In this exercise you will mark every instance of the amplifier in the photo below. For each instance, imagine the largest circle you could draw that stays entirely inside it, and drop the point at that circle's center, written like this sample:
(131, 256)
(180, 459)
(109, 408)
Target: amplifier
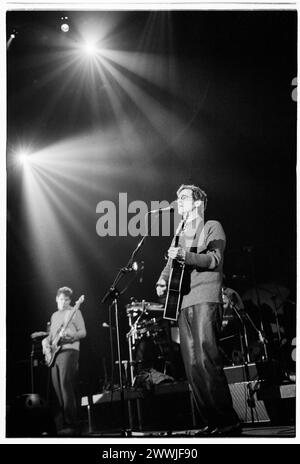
(244, 383)
(260, 393)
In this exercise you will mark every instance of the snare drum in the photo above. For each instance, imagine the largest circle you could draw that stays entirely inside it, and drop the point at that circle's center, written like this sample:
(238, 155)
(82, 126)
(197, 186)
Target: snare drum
(134, 309)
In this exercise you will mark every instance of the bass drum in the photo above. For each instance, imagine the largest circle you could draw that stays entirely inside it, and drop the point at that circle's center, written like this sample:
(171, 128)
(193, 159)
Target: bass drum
(157, 349)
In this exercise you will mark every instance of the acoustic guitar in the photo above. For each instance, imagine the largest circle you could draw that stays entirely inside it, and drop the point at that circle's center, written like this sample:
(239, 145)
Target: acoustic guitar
(173, 298)
(52, 350)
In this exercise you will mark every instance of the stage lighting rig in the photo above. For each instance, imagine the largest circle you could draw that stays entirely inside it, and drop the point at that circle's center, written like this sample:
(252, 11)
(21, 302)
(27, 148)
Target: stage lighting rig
(11, 38)
(64, 26)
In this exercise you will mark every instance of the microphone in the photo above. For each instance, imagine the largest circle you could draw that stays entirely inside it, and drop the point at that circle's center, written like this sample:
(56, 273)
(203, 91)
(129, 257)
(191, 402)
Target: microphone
(161, 210)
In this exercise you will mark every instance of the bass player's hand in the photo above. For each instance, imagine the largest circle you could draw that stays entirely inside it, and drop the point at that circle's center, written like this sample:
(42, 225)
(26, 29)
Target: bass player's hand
(68, 339)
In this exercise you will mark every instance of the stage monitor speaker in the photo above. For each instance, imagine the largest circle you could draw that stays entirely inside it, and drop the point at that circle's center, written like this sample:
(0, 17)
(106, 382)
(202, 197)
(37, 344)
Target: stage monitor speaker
(243, 385)
(245, 402)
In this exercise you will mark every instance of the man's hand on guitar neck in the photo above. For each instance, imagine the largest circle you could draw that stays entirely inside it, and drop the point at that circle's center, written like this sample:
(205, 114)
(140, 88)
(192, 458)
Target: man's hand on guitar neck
(177, 253)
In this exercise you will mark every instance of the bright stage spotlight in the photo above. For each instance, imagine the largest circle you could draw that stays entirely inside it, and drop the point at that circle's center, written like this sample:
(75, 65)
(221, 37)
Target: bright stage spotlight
(89, 48)
(23, 158)
(11, 38)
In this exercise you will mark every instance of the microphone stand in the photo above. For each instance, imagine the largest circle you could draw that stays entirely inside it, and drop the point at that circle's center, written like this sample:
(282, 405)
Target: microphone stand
(242, 316)
(112, 295)
(249, 249)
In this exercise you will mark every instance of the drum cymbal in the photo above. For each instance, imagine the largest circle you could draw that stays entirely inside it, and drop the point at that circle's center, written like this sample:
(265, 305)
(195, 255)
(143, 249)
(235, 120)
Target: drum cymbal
(154, 307)
(144, 306)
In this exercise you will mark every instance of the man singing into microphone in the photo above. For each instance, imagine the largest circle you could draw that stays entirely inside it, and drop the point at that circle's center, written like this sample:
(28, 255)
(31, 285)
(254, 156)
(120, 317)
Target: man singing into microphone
(201, 247)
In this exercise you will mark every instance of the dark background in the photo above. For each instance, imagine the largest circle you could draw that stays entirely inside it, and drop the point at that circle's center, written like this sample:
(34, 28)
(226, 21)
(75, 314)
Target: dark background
(229, 83)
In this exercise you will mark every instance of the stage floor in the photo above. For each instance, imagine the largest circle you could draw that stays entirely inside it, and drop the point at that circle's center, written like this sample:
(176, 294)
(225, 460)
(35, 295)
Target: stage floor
(255, 431)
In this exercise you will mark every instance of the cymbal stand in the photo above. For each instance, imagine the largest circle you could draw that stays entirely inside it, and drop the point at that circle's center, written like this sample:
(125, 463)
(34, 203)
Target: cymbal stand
(260, 334)
(276, 317)
(243, 334)
(244, 315)
(32, 363)
(131, 342)
(131, 338)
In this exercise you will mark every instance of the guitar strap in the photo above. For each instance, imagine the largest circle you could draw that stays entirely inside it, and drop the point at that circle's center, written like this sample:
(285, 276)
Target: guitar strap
(68, 317)
(179, 231)
(66, 320)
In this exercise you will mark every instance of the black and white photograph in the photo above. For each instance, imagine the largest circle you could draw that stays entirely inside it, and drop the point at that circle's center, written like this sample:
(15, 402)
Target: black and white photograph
(151, 185)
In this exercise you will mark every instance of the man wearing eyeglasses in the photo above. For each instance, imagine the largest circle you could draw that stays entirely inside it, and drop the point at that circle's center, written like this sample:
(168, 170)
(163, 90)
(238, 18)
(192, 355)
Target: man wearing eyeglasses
(201, 248)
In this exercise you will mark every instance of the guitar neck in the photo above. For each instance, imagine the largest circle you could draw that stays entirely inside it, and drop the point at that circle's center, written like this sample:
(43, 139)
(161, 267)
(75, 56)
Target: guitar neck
(178, 233)
(66, 324)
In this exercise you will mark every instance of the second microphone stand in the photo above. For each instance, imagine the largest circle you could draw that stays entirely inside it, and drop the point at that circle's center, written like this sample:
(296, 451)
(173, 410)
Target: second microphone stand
(243, 317)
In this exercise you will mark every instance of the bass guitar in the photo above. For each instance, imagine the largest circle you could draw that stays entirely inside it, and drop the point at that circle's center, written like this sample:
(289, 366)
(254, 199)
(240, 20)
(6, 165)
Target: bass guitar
(52, 350)
(173, 297)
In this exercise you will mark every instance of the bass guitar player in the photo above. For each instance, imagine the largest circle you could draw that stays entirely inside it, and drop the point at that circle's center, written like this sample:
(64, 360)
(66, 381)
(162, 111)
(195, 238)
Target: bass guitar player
(61, 350)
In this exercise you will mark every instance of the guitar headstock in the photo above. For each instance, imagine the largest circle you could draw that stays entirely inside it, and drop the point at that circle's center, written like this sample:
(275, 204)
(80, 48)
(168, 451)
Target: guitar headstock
(79, 301)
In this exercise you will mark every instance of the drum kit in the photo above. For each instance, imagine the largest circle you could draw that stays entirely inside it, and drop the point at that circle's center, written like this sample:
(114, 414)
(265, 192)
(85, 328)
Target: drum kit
(150, 337)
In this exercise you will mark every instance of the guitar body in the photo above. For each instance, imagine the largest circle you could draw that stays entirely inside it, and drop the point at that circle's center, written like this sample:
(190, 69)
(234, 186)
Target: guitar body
(51, 354)
(173, 298)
